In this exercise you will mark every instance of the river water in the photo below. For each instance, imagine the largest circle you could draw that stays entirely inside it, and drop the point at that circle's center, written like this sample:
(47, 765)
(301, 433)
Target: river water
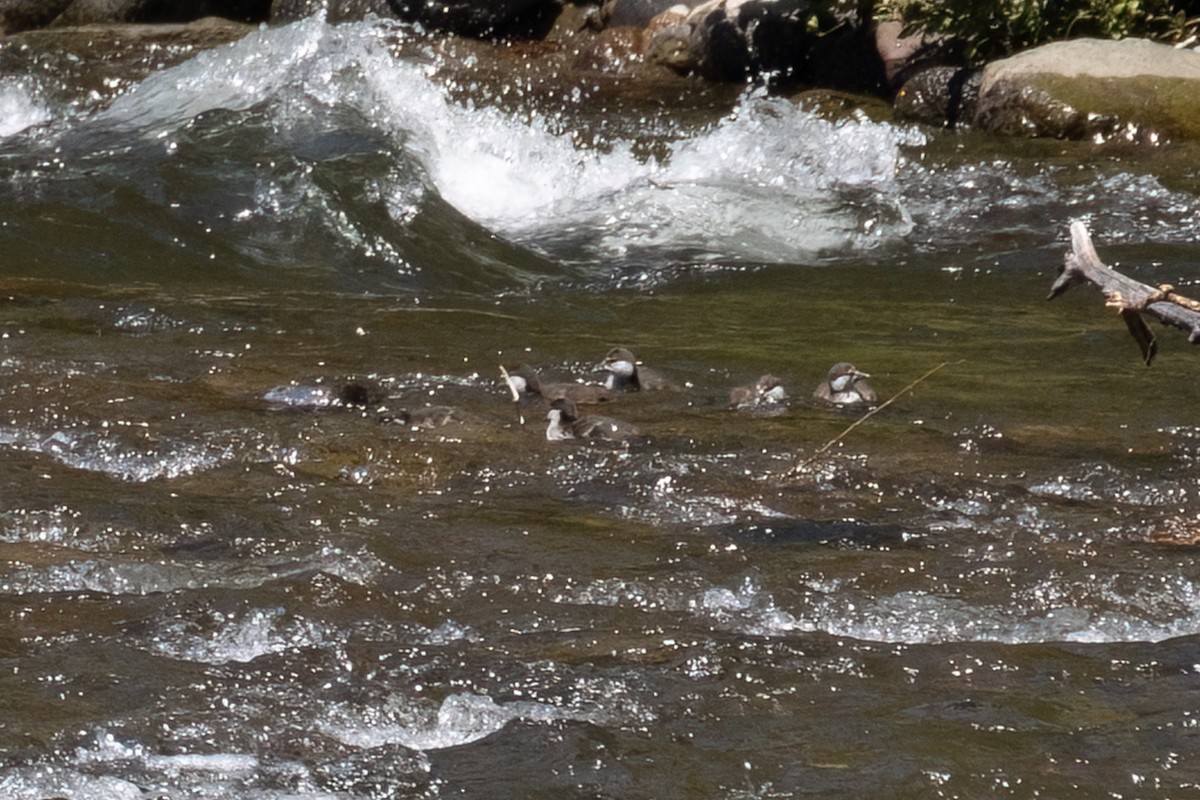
(989, 588)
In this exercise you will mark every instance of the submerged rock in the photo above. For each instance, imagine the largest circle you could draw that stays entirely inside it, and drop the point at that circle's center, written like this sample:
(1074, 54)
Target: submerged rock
(1093, 88)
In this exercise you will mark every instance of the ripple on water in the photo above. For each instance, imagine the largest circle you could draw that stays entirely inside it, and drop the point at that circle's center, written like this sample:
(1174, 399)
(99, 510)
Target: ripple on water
(460, 719)
(220, 638)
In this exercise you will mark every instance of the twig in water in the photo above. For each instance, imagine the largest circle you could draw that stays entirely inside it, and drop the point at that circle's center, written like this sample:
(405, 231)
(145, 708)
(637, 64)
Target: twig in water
(817, 454)
(516, 396)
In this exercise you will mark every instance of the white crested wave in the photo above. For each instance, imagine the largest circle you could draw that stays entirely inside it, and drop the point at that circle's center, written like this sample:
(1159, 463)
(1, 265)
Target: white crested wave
(19, 108)
(773, 181)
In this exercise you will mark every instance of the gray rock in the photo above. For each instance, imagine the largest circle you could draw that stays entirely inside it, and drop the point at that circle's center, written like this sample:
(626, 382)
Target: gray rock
(1093, 88)
(670, 43)
(24, 15)
(637, 13)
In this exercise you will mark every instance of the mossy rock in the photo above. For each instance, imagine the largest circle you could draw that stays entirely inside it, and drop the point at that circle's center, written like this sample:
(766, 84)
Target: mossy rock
(1085, 88)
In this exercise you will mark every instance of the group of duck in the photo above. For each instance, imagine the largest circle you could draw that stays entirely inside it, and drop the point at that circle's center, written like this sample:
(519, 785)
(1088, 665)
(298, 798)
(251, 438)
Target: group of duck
(844, 387)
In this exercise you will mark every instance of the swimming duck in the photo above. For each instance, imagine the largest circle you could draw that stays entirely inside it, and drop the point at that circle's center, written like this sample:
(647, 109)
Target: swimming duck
(567, 423)
(766, 394)
(845, 385)
(626, 373)
(425, 417)
(526, 383)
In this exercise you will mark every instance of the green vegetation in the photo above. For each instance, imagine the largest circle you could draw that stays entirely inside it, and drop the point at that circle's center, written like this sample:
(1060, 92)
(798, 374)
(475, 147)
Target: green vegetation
(989, 29)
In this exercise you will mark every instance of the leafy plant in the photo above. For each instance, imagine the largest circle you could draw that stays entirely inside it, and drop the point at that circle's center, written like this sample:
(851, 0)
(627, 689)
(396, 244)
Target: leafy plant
(987, 29)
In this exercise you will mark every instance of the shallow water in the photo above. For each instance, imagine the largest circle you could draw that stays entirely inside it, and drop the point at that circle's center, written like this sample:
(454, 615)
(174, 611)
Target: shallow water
(985, 588)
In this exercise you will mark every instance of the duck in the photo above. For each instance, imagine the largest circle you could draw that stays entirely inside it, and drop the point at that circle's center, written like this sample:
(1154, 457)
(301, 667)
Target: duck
(767, 394)
(525, 382)
(626, 373)
(567, 423)
(424, 418)
(845, 385)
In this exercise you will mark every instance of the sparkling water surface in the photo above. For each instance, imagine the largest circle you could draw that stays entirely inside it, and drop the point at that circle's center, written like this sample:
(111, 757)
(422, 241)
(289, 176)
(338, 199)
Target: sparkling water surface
(987, 589)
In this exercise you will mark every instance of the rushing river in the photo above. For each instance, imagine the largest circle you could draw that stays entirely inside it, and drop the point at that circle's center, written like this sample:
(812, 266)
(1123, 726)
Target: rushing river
(986, 589)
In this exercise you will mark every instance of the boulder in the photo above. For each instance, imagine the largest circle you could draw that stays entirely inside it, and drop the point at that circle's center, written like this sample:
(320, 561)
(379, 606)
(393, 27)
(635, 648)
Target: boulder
(24, 15)
(637, 13)
(788, 40)
(481, 18)
(670, 40)
(89, 12)
(939, 95)
(1091, 88)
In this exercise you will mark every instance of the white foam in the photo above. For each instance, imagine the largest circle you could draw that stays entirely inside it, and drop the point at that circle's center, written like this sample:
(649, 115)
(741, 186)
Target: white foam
(19, 109)
(917, 618)
(773, 181)
(460, 719)
(259, 633)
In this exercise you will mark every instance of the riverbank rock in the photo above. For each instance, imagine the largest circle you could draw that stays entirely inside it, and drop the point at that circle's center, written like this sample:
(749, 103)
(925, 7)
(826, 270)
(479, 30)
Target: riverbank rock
(24, 15)
(103, 12)
(788, 40)
(1090, 88)
(105, 60)
(946, 96)
(639, 13)
(485, 18)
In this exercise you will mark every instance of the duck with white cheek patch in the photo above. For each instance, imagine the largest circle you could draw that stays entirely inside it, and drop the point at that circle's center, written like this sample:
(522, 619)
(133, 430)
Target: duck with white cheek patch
(845, 385)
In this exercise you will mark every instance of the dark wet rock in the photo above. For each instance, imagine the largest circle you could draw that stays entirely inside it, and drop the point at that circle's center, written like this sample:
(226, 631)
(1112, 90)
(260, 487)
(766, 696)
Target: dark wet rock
(24, 15)
(90, 12)
(1093, 88)
(284, 11)
(794, 40)
(940, 96)
(485, 18)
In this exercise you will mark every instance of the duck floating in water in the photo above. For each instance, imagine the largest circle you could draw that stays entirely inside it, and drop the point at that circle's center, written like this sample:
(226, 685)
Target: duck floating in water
(423, 418)
(626, 373)
(766, 395)
(529, 388)
(567, 423)
(845, 385)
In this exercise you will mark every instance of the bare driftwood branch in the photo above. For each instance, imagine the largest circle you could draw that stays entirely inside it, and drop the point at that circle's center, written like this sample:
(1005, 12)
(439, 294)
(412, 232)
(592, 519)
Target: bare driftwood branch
(1131, 298)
